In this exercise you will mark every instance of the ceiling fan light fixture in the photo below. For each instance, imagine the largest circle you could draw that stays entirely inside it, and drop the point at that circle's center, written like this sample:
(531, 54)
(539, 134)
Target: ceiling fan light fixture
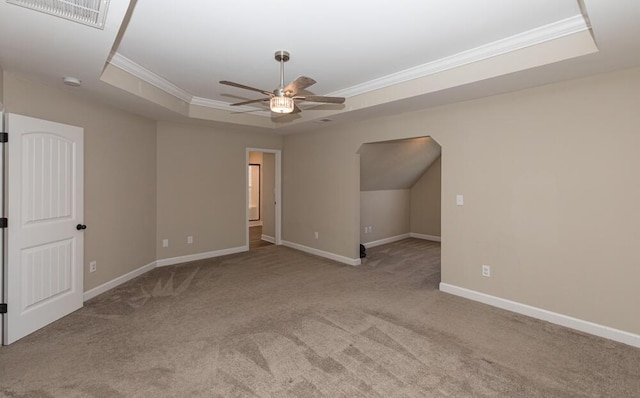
(281, 104)
(281, 100)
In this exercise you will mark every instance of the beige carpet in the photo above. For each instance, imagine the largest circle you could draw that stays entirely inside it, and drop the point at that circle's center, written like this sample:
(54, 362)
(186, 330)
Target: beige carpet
(275, 322)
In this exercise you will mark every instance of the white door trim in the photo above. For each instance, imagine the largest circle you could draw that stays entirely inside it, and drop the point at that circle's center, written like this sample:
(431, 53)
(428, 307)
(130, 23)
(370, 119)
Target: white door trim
(278, 192)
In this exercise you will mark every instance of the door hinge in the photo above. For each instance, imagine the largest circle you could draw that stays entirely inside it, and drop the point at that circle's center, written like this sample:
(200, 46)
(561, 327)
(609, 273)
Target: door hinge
(3, 308)
(4, 222)
(4, 137)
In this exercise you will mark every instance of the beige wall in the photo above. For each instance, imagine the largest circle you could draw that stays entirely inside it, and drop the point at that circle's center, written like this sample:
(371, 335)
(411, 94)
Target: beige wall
(321, 191)
(120, 174)
(425, 201)
(550, 184)
(269, 195)
(202, 186)
(387, 212)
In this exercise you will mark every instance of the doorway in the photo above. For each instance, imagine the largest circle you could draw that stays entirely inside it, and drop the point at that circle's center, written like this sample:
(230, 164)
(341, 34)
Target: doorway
(400, 204)
(263, 197)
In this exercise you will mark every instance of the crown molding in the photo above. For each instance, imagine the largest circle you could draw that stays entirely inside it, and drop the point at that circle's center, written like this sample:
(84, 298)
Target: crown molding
(209, 103)
(529, 38)
(127, 65)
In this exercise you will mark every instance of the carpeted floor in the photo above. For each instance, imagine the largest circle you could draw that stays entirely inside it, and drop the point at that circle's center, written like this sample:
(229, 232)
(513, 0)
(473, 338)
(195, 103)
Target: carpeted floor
(276, 322)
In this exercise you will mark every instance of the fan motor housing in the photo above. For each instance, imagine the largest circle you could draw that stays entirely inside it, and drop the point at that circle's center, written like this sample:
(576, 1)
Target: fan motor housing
(282, 56)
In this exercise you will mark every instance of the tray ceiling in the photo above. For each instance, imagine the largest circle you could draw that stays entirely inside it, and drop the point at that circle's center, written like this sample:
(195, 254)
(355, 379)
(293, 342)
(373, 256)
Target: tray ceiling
(165, 58)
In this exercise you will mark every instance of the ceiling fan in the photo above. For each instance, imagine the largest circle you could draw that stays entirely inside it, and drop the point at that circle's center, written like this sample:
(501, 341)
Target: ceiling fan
(282, 99)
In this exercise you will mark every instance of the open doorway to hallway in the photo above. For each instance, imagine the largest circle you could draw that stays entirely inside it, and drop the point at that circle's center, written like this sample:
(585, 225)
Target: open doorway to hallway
(263, 190)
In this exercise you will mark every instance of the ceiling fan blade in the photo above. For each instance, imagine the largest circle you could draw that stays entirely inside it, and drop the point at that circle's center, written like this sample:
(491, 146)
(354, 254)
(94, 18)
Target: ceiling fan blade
(238, 85)
(250, 101)
(300, 83)
(320, 98)
(296, 109)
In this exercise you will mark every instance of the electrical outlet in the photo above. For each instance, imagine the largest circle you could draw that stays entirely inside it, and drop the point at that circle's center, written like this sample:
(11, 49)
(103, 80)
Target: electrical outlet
(189, 239)
(370, 229)
(315, 234)
(486, 270)
(165, 242)
(93, 265)
(460, 200)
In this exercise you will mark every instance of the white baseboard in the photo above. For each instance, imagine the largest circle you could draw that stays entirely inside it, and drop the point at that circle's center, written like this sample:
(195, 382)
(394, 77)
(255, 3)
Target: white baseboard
(200, 256)
(322, 253)
(384, 241)
(425, 237)
(159, 263)
(539, 313)
(268, 238)
(117, 281)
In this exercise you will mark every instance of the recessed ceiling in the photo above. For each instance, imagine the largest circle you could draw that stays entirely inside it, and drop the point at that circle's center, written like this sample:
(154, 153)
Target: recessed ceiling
(164, 58)
(340, 44)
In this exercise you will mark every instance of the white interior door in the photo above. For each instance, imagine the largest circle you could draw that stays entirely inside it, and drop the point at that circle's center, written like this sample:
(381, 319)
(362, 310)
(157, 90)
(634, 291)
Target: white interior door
(44, 272)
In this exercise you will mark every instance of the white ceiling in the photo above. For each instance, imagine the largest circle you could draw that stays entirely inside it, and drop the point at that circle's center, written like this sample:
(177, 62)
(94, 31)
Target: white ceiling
(384, 57)
(338, 43)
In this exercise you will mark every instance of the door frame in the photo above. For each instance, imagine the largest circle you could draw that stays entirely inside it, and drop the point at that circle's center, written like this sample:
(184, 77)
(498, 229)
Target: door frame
(277, 191)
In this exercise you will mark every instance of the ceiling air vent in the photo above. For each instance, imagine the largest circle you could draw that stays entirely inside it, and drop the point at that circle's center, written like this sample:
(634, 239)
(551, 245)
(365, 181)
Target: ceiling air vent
(88, 12)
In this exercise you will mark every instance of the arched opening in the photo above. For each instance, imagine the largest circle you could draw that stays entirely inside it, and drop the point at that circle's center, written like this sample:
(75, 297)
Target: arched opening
(400, 206)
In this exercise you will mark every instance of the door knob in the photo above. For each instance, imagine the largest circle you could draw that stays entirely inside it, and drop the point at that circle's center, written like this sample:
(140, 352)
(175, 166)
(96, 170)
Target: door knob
(80, 227)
